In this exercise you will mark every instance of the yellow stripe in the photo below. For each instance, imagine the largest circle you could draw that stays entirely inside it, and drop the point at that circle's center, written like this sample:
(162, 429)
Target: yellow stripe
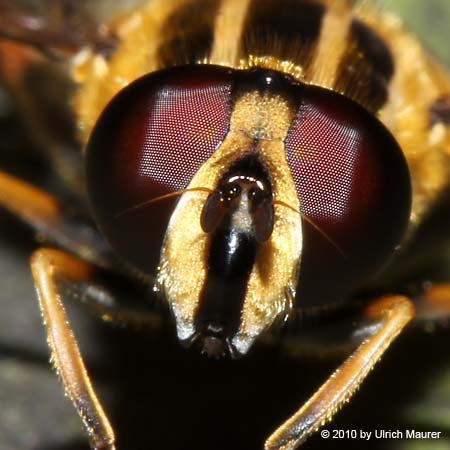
(228, 30)
(331, 46)
(140, 34)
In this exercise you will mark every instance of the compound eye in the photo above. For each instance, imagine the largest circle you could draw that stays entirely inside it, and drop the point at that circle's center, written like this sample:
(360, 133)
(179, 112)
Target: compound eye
(352, 181)
(150, 141)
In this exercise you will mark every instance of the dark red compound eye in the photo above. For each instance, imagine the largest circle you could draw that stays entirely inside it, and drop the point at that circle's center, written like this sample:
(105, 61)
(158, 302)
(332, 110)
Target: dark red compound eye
(150, 141)
(353, 183)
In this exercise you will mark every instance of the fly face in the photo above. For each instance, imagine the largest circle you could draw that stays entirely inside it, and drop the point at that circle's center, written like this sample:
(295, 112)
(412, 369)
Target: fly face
(241, 147)
(253, 159)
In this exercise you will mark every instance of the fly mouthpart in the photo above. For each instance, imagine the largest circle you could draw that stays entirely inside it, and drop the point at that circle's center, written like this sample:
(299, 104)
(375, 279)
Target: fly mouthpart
(212, 342)
(214, 347)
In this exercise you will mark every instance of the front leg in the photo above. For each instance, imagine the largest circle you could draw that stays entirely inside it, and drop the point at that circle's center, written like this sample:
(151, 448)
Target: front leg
(59, 276)
(47, 265)
(386, 317)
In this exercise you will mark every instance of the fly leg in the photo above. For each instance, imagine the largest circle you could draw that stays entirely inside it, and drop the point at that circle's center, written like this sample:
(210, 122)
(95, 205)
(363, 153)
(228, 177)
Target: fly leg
(51, 221)
(385, 317)
(59, 276)
(47, 265)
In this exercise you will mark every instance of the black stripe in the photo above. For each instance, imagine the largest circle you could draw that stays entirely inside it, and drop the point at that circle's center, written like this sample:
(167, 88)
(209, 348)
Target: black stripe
(231, 257)
(366, 68)
(287, 29)
(189, 33)
(225, 286)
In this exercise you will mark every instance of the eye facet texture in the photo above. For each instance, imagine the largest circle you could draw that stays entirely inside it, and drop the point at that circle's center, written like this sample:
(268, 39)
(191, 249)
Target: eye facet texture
(353, 183)
(150, 141)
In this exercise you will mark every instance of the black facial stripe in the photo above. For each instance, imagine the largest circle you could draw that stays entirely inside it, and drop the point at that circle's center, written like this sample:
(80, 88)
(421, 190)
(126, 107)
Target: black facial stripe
(370, 74)
(189, 33)
(231, 258)
(287, 30)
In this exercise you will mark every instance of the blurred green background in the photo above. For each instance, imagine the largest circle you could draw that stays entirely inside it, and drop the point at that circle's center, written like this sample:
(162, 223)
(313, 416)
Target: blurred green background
(429, 19)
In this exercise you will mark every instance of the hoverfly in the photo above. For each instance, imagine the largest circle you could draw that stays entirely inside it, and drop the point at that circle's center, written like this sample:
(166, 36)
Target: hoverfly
(238, 161)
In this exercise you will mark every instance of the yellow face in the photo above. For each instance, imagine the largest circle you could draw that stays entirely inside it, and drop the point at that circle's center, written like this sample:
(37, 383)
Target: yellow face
(271, 283)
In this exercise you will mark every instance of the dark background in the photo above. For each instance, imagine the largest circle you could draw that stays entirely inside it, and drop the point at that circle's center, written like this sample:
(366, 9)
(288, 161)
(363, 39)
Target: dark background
(163, 397)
